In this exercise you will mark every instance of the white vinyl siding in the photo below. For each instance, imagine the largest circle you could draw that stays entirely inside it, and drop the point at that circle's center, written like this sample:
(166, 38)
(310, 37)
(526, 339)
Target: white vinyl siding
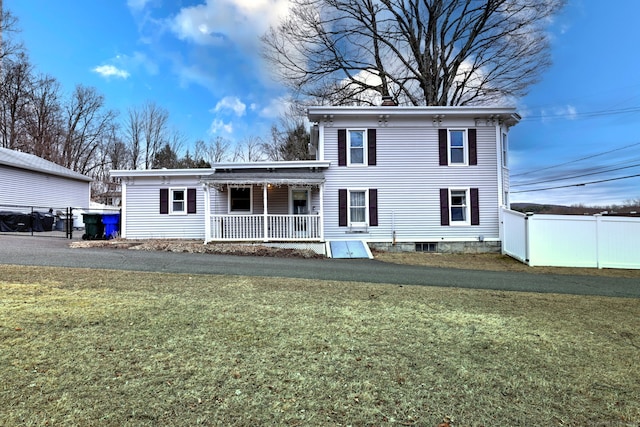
(408, 178)
(21, 187)
(142, 214)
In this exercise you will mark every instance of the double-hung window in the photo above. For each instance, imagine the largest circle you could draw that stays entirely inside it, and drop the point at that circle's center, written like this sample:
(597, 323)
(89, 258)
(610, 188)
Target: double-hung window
(458, 154)
(240, 200)
(459, 207)
(178, 200)
(357, 147)
(358, 207)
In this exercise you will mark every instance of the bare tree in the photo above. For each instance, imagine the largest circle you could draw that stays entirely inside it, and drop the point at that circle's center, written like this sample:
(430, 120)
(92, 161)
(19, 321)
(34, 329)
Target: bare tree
(9, 46)
(88, 124)
(214, 151)
(420, 52)
(155, 121)
(289, 139)
(133, 134)
(43, 123)
(14, 100)
(248, 150)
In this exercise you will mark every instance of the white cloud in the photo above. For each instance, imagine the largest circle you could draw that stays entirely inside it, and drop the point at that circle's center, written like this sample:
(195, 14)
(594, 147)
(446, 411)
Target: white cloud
(238, 21)
(275, 108)
(137, 5)
(111, 71)
(218, 125)
(231, 103)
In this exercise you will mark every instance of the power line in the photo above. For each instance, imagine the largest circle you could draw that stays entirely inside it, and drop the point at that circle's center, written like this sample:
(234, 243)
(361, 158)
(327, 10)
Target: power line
(574, 176)
(585, 114)
(575, 161)
(576, 185)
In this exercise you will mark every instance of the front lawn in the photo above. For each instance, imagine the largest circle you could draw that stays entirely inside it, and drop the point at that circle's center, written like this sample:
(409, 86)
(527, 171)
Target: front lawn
(113, 348)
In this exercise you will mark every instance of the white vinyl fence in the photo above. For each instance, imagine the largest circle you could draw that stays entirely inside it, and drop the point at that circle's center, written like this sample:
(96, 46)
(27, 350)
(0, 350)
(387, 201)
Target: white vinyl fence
(572, 241)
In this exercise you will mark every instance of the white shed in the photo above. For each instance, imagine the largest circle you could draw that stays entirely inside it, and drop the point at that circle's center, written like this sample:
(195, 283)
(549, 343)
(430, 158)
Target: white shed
(28, 180)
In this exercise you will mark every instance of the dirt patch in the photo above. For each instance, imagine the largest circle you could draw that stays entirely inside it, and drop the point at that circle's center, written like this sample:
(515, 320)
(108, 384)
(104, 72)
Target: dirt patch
(197, 247)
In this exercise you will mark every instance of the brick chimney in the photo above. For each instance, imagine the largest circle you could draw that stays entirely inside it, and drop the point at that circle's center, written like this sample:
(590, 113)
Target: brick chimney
(387, 101)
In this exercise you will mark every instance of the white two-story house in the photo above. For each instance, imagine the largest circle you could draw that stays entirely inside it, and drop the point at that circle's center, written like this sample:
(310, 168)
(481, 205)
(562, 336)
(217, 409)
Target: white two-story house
(409, 178)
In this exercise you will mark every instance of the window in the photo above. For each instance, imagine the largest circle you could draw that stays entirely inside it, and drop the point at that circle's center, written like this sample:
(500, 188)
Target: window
(457, 147)
(505, 149)
(357, 147)
(356, 144)
(178, 200)
(357, 207)
(458, 206)
(240, 199)
(427, 247)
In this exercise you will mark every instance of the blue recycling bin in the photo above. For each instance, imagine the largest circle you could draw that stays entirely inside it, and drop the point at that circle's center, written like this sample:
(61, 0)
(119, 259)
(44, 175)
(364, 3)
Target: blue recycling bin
(111, 225)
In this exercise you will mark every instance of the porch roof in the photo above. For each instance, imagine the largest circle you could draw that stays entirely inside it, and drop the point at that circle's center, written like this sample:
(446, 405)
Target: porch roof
(275, 178)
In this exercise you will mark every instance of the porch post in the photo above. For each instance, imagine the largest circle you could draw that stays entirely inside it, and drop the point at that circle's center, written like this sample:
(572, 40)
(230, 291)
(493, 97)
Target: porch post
(207, 213)
(265, 213)
(321, 212)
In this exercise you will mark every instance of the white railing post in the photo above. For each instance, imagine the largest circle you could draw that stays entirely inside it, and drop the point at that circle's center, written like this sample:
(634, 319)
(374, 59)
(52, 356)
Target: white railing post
(265, 213)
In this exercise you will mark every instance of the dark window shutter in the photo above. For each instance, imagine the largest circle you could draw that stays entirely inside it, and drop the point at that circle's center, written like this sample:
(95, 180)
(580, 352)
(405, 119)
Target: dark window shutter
(342, 147)
(373, 207)
(475, 207)
(473, 147)
(444, 206)
(191, 200)
(164, 201)
(371, 147)
(442, 147)
(342, 208)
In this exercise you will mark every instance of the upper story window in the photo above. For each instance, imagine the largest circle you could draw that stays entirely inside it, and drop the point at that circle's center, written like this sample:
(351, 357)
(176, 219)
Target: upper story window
(356, 147)
(240, 199)
(178, 200)
(505, 150)
(457, 147)
(356, 143)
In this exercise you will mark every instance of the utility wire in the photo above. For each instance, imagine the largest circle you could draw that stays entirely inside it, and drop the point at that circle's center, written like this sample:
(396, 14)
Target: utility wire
(573, 176)
(586, 114)
(575, 161)
(576, 185)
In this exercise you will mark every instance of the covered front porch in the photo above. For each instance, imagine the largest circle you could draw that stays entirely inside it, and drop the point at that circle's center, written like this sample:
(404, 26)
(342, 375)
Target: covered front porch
(268, 205)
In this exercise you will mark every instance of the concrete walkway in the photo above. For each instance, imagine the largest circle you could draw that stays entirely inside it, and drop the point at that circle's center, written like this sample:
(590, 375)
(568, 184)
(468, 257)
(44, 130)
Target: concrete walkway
(48, 251)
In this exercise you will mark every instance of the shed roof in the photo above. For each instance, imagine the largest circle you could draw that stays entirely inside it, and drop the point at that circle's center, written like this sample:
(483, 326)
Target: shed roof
(20, 160)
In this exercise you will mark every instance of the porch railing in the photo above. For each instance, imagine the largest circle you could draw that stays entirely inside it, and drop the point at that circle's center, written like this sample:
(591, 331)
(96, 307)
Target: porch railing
(251, 228)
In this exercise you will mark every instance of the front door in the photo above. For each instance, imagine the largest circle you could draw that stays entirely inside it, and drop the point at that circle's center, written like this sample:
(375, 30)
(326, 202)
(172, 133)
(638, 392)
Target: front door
(300, 202)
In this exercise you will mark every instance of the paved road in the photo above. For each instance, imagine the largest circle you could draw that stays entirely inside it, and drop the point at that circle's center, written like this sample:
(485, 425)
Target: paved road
(47, 251)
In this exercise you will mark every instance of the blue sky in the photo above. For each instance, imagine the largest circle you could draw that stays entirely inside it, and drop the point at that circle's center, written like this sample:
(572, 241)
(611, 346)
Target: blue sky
(200, 60)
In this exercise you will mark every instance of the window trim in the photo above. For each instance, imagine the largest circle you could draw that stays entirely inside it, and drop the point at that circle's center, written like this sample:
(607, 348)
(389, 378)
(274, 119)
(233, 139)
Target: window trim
(172, 191)
(365, 149)
(235, 212)
(465, 146)
(351, 223)
(467, 207)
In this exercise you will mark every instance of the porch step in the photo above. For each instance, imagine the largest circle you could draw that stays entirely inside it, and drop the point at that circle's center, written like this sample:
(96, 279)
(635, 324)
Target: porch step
(348, 249)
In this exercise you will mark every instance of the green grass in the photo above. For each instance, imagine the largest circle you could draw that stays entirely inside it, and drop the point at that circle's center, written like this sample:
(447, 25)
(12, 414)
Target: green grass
(107, 348)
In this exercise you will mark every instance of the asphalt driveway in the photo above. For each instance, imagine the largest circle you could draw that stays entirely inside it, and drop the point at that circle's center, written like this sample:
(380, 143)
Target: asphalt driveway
(55, 252)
